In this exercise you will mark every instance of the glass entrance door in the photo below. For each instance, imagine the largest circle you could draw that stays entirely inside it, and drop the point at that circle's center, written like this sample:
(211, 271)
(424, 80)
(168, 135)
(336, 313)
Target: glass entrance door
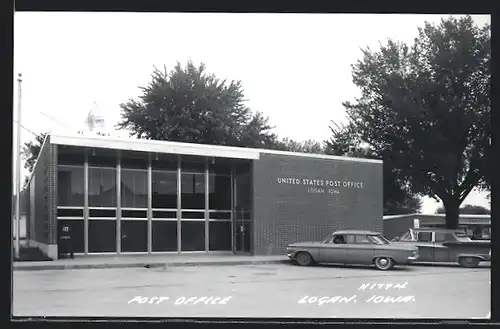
(242, 213)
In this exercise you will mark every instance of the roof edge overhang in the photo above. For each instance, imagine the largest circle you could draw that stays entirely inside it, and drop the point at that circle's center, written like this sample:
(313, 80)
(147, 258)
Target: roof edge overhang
(154, 146)
(160, 147)
(320, 156)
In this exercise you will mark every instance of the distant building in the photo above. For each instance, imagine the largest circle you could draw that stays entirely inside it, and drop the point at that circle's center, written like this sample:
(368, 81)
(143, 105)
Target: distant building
(476, 226)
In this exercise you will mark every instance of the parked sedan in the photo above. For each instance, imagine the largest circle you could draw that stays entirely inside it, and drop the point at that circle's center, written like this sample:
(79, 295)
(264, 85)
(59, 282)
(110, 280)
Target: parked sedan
(353, 247)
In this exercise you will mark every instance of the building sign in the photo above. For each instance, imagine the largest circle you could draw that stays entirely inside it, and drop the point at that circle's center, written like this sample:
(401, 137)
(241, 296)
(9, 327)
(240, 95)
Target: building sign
(416, 223)
(320, 186)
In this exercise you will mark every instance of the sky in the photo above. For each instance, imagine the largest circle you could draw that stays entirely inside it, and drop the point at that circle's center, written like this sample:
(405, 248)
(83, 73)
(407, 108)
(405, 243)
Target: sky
(289, 64)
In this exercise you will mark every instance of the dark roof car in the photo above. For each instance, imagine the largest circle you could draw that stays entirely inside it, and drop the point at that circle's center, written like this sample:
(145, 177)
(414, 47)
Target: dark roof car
(446, 245)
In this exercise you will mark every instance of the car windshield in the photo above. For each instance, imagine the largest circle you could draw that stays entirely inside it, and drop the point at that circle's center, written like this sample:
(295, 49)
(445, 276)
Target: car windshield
(462, 237)
(378, 239)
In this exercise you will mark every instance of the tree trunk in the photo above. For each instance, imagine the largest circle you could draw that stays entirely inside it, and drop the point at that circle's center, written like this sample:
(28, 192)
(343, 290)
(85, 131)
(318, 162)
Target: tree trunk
(452, 208)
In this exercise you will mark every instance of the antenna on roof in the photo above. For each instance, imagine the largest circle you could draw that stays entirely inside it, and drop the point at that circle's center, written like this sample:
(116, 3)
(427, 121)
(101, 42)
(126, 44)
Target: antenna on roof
(94, 120)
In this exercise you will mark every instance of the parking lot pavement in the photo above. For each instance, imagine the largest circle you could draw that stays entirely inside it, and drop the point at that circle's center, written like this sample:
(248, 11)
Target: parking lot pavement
(278, 290)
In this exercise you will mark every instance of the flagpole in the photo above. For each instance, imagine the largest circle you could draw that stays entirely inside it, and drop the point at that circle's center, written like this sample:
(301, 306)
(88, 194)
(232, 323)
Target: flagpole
(19, 167)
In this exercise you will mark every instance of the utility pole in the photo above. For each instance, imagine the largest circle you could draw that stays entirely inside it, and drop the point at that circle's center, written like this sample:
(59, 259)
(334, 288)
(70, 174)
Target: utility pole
(19, 167)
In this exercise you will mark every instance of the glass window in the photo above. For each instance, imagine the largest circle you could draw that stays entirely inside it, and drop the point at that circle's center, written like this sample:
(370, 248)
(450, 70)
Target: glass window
(70, 186)
(102, 236)
(135, 160)
(165, 162)
(219, 192)
(443, 237)
(219, 168)
(193, 235)
(378, 239)
(193, 191)
(193, 164)
(220, 235)
(406, 237)
(349, 238)
(134, 235)
(339, 239)
(134, 188)
(424, 236)
(164, 190)
(362, 239)
(102, 187)
(164, 235)
(243, 192)
(103, 158)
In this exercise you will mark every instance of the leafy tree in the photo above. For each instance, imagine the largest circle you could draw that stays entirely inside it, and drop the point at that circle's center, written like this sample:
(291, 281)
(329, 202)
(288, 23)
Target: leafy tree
(469, 210)
(398, 198)
(307, 146)
(426, 108)
(30, 153)
(189, 105)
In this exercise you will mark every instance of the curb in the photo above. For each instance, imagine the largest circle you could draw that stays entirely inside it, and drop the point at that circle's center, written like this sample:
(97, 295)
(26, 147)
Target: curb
(48, 267)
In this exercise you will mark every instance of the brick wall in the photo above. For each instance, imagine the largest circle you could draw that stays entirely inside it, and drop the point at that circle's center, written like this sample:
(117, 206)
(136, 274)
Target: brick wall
(45, 196)
(287, 212)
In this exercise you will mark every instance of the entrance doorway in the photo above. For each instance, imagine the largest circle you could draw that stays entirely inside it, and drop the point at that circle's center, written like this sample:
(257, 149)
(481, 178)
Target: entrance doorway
(242, 213)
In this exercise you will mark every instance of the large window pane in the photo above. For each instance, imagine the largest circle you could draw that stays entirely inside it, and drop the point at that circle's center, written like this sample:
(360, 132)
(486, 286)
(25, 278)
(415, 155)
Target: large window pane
(102, 236)
(193, 191)
(70, 186)
(164, 235)
(164, 189)
(102, 187)
(135, 160)
(134, 235)
(193, 235)
(242, 199)
(220, 235)
(134, 188)
(220, 192)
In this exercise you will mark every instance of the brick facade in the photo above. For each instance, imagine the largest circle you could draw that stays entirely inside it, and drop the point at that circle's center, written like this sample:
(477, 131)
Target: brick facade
(287, 212)
(43, 218)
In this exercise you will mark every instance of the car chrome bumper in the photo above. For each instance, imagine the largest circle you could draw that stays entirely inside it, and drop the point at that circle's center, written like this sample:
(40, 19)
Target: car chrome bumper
(289, 255)
(413, 258)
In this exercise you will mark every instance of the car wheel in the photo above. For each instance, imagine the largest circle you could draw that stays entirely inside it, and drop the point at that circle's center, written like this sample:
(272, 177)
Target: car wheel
(303, 258)
(383, 263)
(468, 262)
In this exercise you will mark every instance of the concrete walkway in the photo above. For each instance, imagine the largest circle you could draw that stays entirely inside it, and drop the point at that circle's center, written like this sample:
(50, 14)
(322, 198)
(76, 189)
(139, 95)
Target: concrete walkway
(127, 261)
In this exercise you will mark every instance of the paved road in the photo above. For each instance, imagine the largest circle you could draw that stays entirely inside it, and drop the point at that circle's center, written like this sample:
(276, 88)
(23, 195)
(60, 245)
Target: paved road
(255, 291)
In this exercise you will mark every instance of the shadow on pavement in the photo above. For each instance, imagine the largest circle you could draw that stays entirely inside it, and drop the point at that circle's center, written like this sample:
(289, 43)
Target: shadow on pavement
(400, 268)
(366, 267)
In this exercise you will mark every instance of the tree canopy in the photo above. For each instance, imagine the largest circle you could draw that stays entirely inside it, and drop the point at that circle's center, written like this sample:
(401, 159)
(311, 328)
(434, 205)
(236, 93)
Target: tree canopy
(398, 198)
(30, 153)
(469, 210)
(189, 105)
(291, 145)
(425, 109)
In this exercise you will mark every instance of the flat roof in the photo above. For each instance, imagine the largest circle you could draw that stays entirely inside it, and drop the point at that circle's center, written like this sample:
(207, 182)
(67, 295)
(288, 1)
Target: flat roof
(430, 216)
(434, 229)
(155, 146)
